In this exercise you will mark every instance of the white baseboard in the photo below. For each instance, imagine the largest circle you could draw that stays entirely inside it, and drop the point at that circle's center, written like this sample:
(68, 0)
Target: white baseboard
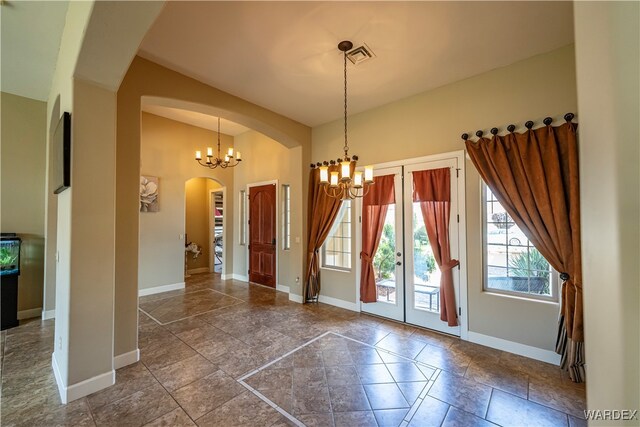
(48, 314)
(295, 298)
(226, 276)
(339, 303)
(83, 388)
(515, 347)
(239, 277)
(160, 289)
(30, 314)
(125, 359)
(198, 270)
(62, 388)
(282, 288)
(91, 385)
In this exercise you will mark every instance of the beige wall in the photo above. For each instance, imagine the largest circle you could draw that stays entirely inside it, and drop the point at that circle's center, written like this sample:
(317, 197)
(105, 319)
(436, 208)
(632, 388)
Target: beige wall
(84, 219)
(264, 159)
(149, 80)
(431, 123)
(58, 208)
(167, 151)
(607, 55)
(23, 182)
(93, 229)
(197, 200)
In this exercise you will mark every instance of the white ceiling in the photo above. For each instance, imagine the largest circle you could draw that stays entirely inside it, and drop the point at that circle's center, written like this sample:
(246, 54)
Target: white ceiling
(196, 119)
(31, 33)
(283, 55)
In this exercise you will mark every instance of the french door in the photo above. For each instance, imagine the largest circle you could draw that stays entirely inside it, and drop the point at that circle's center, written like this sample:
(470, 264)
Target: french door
(407, 275)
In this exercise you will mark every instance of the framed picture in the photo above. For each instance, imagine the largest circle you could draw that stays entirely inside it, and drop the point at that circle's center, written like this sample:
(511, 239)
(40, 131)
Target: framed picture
(149, 194)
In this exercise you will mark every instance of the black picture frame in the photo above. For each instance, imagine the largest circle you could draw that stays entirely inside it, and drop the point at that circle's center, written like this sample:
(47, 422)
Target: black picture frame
(61, 152)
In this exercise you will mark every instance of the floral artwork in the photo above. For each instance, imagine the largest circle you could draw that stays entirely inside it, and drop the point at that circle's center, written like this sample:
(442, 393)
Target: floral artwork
(149, 194)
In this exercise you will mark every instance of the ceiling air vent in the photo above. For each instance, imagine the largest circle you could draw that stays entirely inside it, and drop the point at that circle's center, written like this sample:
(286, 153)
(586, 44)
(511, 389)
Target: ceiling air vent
(360, 54)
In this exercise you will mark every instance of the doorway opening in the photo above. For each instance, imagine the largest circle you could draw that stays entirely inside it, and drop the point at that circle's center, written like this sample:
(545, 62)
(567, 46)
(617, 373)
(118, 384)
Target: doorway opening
(407, 276)
(204, 226)
(216, 229)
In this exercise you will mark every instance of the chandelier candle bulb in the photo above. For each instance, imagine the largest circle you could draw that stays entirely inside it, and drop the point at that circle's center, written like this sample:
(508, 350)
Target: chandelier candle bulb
(334, 179)
(368, 174)
(345, 171)
(226, 159)
(209, 152)
(230, 152)
(324, 174)
(357, 180)
(198, 155)
(238, 156)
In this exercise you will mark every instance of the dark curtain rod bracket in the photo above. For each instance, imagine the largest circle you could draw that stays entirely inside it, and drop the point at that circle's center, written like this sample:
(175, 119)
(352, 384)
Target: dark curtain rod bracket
(528, 124)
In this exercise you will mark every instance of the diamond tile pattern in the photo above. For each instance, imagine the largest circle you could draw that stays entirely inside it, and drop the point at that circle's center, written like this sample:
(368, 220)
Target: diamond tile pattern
(226, 353)
(345, 378)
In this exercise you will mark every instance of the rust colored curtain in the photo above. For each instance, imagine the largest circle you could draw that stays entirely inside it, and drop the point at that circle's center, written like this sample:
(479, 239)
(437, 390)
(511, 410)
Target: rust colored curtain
(432, 189)
(534, 175)
(374, 213)
(323, 211)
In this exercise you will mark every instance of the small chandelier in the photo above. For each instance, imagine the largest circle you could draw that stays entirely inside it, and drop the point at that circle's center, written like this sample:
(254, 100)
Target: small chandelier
(228, 162)
(343, 185)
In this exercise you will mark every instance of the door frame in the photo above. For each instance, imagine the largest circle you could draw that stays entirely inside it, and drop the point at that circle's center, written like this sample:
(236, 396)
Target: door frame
(460, 155)
(212, 222)
(278, 233)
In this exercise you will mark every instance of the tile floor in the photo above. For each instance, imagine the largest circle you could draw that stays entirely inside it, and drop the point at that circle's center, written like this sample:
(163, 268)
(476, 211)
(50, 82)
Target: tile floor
(232, 354)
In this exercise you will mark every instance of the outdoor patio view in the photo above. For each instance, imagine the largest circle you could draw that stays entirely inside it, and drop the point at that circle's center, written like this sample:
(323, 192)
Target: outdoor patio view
(426, 277)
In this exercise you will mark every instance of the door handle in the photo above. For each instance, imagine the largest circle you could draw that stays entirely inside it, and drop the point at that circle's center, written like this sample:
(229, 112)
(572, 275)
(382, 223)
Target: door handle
(399, 254)
(273, 242)
(398, 263)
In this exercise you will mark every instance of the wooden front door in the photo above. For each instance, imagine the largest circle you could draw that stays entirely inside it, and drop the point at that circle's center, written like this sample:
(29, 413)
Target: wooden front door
(262, 235)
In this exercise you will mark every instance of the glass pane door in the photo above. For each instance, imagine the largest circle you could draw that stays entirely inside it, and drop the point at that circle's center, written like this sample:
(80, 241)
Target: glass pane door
(387, 261)
(422, 281)
(426, 274)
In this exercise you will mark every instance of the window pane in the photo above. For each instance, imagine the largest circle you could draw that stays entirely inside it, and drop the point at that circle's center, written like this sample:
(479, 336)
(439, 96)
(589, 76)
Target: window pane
(286, 216)
(337, 248)
(512, 263)
(496, 234)
(497, 255)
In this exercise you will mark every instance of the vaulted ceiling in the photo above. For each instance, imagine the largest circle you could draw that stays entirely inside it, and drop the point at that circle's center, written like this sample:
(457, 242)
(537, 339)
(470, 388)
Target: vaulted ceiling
(283, 55)
(31, 33)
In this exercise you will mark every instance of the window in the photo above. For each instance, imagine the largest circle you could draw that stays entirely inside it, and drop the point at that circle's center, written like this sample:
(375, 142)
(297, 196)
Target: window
(286, 216)
(242, 205)
(512, 264)
(336, 251)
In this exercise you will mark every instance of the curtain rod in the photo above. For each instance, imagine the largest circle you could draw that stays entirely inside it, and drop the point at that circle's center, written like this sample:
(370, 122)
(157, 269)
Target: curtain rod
(494, 131)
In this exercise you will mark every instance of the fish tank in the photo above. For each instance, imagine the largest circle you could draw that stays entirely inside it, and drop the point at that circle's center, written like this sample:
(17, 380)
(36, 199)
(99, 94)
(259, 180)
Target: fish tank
(9, 255)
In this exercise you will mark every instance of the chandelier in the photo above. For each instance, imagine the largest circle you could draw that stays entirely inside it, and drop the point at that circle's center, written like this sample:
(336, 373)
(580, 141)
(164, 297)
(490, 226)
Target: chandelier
(344, 182)
(229, 160)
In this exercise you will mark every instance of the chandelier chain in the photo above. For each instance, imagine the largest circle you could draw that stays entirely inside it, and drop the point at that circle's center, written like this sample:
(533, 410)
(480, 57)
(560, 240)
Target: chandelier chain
(346, 142)
(218, 137)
